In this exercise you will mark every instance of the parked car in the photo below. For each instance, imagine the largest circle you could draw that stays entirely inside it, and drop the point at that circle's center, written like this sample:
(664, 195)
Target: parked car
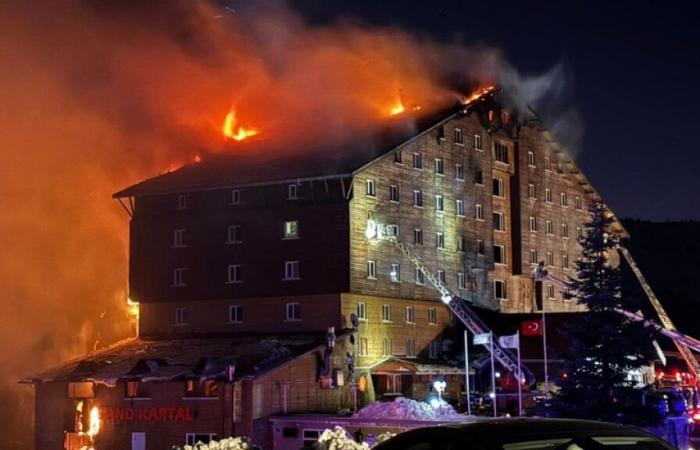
(526, 434)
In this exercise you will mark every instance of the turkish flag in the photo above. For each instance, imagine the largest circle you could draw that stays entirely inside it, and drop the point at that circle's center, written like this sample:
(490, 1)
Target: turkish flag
(531, 327)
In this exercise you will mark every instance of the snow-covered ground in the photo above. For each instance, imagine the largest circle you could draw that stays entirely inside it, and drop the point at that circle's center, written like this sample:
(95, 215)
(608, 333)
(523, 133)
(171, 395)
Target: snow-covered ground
(406, 409)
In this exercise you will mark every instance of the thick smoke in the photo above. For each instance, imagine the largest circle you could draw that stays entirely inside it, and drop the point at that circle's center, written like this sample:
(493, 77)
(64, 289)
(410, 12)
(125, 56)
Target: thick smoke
(95, 95)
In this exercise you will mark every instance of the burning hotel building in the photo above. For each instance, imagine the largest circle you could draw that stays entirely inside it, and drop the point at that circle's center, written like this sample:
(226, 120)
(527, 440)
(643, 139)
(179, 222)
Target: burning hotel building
(262, 292)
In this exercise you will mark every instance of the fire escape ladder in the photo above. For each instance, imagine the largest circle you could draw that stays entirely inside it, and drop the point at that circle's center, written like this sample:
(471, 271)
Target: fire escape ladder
(460, 309)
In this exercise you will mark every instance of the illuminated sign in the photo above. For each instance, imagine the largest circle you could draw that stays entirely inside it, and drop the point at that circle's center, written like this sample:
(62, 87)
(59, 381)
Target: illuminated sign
(163, 414)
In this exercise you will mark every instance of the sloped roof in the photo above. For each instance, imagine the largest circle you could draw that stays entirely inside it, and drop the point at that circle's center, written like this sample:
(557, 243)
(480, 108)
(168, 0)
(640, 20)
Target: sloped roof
(173, 359)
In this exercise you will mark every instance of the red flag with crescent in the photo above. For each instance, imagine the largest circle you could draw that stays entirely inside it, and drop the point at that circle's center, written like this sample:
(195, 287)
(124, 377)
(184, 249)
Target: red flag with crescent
(531, 327)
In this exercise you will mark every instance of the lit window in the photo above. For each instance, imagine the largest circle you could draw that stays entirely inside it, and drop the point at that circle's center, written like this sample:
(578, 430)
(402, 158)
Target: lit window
(564, 200)
(201, 389)
(459, 136)
(179, 277)
(291, 229)
(180, 316)
(531, 159)
(548, 195)
(547, 164)
(440, 240)
(564, 230)
(136, 389)
(419, 277)
(398, 157)
(533, 224)
(500, 152)
(236, 197)
(371, 270)
(393, 193)
(386, 313)
(410, 315)
(531, 191)
(183, 201)
(179, 238)
(364, 347)
(460, 280)
(499, 223)
(499, 254)
(550, 227)
(499, 289)
(292, 192)
(418, 236)
(81, 389)
(439, 203)
(480, 247)
(291, 270)
(395, 273)
(233, 234)
(477, 142)
(498, 189)
(417, 161)
(417, 198)
(293, 311)
(439, 167)
(235, 314)
(371, 192)
(579, 203)
(459, 171)
(479, 211)
(432, 316)
(362, 310)
(459, 206)
(192, 438)
(235, 274)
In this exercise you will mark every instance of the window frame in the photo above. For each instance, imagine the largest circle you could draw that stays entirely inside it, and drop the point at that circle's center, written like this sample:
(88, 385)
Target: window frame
(289, 266)
(371, 269)
(295, 309)
(238, 319)
(178, 279)
(237, 271)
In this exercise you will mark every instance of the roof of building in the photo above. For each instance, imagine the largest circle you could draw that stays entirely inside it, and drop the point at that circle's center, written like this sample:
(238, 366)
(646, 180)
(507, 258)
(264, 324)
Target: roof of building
(418, 366)
(179, 359)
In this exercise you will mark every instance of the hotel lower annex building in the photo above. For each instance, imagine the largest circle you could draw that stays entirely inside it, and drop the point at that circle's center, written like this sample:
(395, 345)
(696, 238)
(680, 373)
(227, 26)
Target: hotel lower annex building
(242, 265)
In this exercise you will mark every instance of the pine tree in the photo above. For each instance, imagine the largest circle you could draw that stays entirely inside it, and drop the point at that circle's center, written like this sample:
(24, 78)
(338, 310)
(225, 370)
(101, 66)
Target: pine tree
(604, 345)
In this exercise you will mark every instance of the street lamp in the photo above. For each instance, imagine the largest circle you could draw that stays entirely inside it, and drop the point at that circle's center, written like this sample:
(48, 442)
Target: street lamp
(439, 386)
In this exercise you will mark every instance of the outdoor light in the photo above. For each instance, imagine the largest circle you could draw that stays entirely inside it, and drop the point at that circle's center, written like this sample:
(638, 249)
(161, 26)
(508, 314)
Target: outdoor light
(439, 386)
(492, 395)
(498, 374)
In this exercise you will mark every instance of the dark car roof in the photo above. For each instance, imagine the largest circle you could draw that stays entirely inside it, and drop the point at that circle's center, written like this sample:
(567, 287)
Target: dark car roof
(525, 426)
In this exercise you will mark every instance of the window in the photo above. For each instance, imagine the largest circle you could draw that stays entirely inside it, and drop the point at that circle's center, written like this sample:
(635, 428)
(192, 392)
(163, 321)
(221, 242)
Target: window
(386, 313)
(201, 389)
(293, 311)
(236, 197)
(235, 274)
(183, 201)
(417, 236)
(498, 189)
(533, 257)
(362, 310)
(533, 224)
(417, 198)
(310, 437)
(393, 193)
(564, 230)
(392, 230)
(531, 159)
(565, 261)
(386, 347)
(291, 270)
(459, 136)
(432, 316)
(179, 238)
(180, 316)
(363, 347)
(479, 177)
(419, 277)
(550, 228)
(460, 244)
(439, 167)
(395, 273)
(477, 142)
(531, 191)
(233, 234)
(179, 277)
(410, 314)
(439, 203)
(550, 259)
(500, 152)
(563, 199)
(440, 240)
(550, 291)
(459, 171)
(579, 203)
(433, 349)
(371, 270)
(460, 280)
(136, 389)
(548, 195)
(371, 192)
(292, 192)
(479, 211)
(417, 161)
(204, 438)
(81, 389)
(410, 348)
(398, 157)
(441, 276)
(499, 254)
(547, 164)
(499, 289)
(480, 247)
(579, 233)
(459, 206)
(498, 221)
(235, 314)
(291, 229)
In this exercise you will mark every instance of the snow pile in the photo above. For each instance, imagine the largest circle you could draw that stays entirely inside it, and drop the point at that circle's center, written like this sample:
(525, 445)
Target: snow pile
(338, 439)
(406, 409)
(237, 443)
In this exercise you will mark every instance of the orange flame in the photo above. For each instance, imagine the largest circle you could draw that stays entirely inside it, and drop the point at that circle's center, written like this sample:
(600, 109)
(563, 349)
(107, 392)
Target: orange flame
(233, 130)
(477, 94)
(94, 422)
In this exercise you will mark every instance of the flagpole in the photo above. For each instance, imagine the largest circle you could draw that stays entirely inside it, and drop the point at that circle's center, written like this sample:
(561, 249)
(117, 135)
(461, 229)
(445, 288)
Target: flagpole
(493, 375)
(466, 371)
(520, 377)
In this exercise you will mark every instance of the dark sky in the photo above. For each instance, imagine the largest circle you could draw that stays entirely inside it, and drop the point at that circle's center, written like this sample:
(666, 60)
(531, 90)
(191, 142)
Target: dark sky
(634, 70)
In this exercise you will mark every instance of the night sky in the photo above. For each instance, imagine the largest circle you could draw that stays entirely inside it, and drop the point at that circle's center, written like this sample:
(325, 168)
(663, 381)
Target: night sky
(632, 69)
